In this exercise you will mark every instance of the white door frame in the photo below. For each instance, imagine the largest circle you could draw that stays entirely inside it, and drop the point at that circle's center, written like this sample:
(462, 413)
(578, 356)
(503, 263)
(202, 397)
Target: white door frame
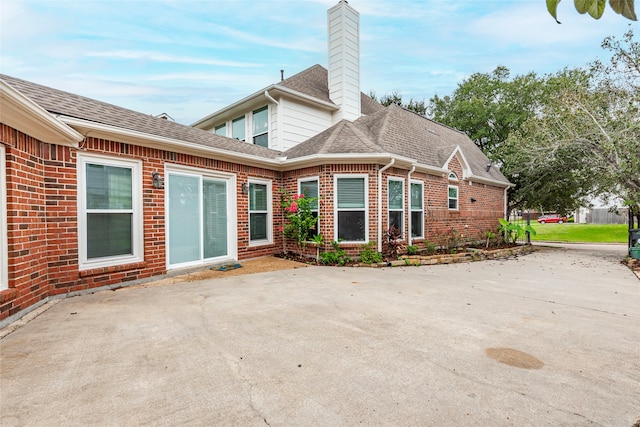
(232, 209)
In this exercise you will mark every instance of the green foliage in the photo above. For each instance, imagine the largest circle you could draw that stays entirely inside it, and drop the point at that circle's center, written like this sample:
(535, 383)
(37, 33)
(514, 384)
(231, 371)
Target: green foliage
(596, 8)
(585, 138)
(412, 250)
(369, 255)
(318, 241)
(337, 256)
(491, 237)
(511, 232)
(301, 221)
(429, 248)
(450, 240)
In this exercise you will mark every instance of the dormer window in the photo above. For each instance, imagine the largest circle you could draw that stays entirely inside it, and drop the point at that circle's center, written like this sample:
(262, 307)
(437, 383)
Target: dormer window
(261, 126)
(453, 176)
(238, 130)
(221, 130)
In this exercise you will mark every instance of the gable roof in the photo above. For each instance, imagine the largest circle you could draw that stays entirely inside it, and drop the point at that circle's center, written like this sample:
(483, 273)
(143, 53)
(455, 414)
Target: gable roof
(79, 111)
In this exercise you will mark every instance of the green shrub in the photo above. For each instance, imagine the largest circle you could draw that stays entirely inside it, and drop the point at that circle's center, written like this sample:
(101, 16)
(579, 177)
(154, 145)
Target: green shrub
(337, 256)
(369, 255)
(429, 248)
(412, 250)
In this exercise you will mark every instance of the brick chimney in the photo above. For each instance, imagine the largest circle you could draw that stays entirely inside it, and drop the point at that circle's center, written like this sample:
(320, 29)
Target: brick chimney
(344, 60)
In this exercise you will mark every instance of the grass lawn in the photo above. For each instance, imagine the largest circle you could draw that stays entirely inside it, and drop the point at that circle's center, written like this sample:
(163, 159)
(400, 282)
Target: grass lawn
(581, 233)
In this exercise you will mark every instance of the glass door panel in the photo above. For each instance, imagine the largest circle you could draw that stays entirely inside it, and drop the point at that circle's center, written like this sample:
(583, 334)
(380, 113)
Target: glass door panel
(214, 194)
(184, 218)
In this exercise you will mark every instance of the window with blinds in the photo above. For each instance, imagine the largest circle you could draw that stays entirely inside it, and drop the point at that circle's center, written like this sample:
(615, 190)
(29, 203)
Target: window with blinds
(351, 209)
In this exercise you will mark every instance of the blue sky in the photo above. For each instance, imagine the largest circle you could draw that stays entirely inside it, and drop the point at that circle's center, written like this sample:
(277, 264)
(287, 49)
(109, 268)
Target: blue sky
(191, 58)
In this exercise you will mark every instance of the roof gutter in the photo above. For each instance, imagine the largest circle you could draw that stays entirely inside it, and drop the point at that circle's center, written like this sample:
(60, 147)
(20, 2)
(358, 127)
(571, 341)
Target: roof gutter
(380, 202)
(21, 113)
(154, 141)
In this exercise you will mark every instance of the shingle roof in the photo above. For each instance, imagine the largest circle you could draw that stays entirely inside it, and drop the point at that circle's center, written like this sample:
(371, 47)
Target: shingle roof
(63, 103)
(314, 81)
(385, 130)
(398, 131)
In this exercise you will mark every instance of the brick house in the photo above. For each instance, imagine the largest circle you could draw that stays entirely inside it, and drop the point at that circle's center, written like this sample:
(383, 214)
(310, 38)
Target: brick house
(95, 196)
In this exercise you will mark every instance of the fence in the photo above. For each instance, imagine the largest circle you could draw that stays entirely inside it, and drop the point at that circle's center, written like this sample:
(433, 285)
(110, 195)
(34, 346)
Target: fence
(522, 221)
(604, 216)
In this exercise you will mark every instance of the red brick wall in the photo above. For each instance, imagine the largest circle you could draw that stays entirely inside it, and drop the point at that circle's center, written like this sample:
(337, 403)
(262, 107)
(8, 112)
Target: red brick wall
(42, 229)
(42, 225)
(471, 220)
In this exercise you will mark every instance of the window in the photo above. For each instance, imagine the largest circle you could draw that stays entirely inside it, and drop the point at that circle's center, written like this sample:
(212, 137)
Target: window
(453, 176)
(4, 270)
(110, 209)
(309, 187)
(417, 210)
(396, 204)
(351, 208)
(221, 130)
(453, 197)
(238, 129)
(261, 127)
(259, 212)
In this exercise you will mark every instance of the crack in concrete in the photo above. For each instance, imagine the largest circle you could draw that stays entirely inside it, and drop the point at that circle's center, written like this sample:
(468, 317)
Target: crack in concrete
(560, 303)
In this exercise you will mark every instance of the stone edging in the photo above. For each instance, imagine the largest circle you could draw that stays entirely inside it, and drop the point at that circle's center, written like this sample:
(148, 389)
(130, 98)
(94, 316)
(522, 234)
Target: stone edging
(467, 256)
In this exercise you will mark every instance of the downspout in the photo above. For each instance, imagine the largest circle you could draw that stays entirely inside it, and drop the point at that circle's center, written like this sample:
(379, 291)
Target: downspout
(278, 118)
(504, 213)
(413, 169)
(380, 202)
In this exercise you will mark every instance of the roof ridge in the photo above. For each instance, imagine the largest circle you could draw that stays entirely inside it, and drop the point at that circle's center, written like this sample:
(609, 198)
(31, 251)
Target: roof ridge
(333, 135)
(364, 138)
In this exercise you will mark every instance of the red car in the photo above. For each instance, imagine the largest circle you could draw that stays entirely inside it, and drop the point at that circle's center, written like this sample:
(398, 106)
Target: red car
(552, 218)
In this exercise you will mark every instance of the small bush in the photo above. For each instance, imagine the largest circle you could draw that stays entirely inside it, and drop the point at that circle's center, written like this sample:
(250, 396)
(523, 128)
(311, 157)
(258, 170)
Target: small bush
(429, 248)
(412, 250)
(337, 256)
(369, 255)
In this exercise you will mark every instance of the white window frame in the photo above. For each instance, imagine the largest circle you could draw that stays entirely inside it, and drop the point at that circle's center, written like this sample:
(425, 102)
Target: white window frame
(389, 210)
(317, 211)
(269, 213)
(453, 176)
(421, 210)
(4, 246)
(457, 198)
(245, 121)
(268, 131)
(366, 206)
(137, 229)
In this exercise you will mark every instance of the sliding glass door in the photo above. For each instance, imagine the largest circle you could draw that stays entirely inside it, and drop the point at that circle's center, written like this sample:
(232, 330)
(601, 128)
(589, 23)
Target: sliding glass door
(198, 213)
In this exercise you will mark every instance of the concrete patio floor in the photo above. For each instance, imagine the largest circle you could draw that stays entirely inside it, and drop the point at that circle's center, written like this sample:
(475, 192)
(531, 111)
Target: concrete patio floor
(550, 338)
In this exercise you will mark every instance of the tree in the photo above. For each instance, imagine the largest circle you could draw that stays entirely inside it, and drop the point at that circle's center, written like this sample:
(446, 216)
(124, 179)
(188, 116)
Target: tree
(596, 8)
(594, 127)
(487, 107)
(491, 108)
(396, 98)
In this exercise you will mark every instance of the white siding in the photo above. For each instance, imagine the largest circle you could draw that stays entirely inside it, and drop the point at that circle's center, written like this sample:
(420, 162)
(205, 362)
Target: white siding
(300, 122)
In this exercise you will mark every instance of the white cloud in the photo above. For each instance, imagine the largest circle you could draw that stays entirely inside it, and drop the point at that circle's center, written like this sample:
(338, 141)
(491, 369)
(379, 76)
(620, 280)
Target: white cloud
(158, 57)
